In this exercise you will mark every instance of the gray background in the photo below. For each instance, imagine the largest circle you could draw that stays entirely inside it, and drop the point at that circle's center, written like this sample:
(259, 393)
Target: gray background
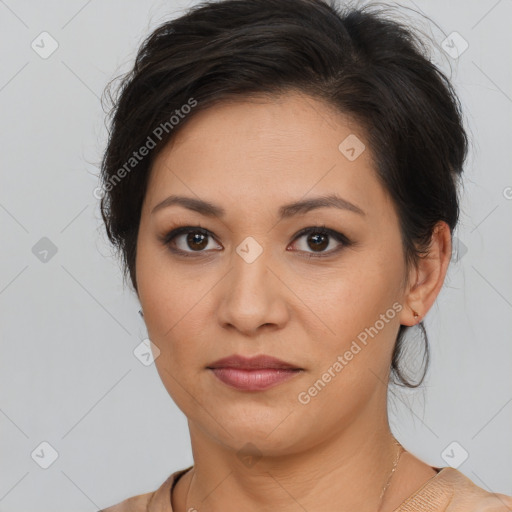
(68, 326)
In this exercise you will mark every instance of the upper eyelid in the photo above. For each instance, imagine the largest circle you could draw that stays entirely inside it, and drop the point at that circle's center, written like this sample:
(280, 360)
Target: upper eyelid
(304, 231)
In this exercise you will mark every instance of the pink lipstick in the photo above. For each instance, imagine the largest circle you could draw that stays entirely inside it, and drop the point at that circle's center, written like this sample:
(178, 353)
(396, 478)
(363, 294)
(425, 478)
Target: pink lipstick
(253, 374)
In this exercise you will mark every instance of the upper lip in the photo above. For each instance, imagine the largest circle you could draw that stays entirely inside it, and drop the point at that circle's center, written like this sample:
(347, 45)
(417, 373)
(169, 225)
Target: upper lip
(251, 363)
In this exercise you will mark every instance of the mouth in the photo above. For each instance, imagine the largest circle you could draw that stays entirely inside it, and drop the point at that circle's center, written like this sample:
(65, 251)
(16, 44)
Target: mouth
(262, 362)
(253, 374)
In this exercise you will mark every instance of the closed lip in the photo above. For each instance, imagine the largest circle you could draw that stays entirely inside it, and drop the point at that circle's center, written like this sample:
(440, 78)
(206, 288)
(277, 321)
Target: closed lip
(252, 363)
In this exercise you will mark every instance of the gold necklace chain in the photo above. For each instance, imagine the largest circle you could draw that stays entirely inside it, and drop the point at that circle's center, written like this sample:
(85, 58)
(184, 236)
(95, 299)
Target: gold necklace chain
(395, 464)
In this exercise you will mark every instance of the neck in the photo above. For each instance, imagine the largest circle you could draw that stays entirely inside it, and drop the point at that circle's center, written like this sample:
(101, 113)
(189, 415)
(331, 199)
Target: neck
(346, 471)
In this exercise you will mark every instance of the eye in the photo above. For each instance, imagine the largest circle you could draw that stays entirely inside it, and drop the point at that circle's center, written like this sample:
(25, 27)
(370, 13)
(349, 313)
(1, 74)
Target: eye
(320, 238)
(188, 240)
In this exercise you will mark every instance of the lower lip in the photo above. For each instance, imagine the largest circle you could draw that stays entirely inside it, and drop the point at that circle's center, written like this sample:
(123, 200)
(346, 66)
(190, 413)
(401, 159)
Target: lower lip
(253, 380)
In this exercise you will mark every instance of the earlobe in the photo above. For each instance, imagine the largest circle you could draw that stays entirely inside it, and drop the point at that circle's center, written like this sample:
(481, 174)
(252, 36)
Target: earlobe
(410, 317)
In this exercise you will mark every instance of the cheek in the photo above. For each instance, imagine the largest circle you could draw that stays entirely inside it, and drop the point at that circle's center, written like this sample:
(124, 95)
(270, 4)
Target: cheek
(163, 298)
(356, 295)
(175, 326)
(360, 305)
(175, 302)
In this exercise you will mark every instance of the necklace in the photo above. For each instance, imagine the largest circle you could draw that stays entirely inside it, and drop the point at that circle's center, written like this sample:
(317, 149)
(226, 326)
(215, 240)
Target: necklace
(395, 464)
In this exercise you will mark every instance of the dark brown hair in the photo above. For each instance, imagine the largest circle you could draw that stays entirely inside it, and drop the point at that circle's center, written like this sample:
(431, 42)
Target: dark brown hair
(368, 67)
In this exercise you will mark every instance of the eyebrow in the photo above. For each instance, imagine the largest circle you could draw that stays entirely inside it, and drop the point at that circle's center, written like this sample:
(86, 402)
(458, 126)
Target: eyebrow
(299, 207)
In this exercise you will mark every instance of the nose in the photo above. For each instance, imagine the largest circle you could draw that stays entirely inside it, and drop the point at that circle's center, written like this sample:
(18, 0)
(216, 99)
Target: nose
(253, 298)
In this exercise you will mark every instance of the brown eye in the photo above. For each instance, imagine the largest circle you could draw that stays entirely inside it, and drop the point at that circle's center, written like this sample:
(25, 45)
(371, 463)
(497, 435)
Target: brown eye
(318, 239)
(196, 240)
(188, 240)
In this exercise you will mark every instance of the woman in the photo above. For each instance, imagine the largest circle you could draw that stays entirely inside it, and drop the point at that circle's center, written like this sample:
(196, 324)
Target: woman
(281, 183)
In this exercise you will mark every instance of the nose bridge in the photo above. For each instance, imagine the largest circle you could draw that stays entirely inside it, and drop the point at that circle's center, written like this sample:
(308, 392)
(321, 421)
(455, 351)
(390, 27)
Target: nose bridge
(250, 296)
(250, 275)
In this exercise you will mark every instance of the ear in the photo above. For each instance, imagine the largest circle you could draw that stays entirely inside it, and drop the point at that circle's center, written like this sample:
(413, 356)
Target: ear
(426, 279)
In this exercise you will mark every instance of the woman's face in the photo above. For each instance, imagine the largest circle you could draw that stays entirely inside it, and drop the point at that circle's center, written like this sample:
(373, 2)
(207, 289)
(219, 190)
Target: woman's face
(254, 286)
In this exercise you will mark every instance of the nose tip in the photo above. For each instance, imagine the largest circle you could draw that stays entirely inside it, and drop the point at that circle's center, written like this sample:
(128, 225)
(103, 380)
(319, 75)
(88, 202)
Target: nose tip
(251, 300)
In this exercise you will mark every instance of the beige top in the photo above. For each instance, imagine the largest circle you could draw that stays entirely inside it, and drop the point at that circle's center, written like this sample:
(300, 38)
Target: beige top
(447, 491)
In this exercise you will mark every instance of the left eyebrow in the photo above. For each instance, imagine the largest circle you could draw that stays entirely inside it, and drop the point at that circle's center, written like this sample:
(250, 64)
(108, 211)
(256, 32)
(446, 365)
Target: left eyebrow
(330, 201)
(299, 207)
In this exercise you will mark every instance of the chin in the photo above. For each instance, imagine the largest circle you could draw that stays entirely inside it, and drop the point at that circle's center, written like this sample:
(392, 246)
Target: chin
(269, 435)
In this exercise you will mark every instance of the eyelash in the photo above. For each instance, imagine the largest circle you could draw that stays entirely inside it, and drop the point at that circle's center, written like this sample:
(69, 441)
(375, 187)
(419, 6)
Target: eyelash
(317, 230)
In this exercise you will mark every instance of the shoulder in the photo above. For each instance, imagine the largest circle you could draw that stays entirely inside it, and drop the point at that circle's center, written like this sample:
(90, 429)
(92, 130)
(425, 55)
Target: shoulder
(137, 503)
(157, 501)
(495, 502)
(458, 493)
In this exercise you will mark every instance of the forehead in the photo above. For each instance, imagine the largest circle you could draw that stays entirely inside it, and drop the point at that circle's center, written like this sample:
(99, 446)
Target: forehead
(265, 149)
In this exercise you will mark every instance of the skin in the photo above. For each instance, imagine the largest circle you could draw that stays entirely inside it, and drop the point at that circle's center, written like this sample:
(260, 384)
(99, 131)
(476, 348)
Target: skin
(250, 157)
